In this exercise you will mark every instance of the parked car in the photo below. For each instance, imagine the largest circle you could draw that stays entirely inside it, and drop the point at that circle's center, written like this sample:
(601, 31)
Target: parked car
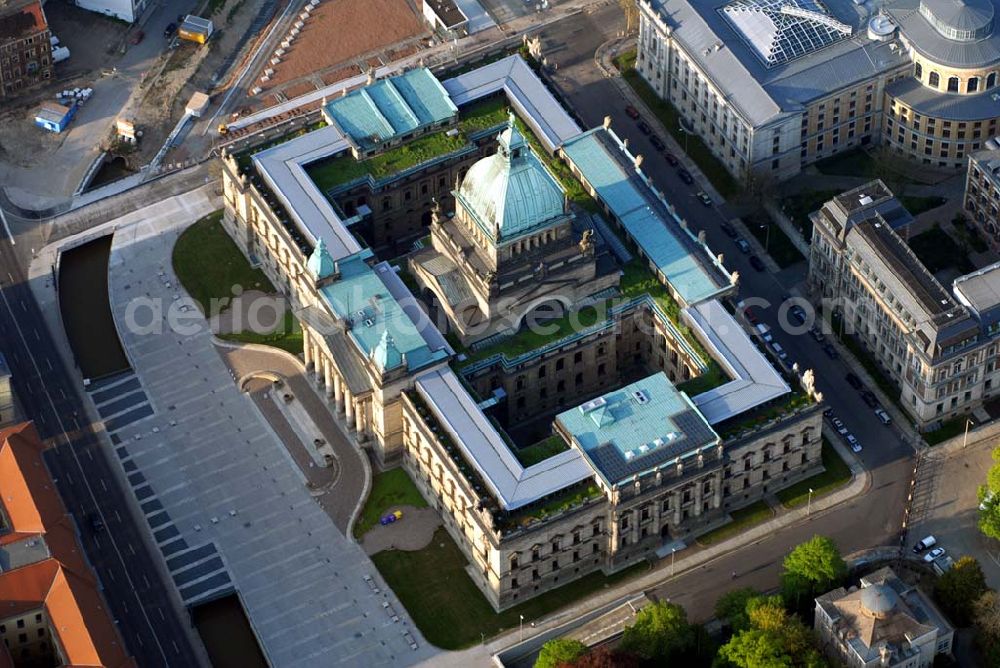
(657, 142)
(853, 442)
(883, 416)
(391, 517)
(933, 554)
(797, 314)
(704, 198)
(671, 159)
(728, 230)
(839, 425)
(869, 398)
(96, 523)
(742, 244)
(816, 334)
(757, 263)
(685, 176)
(854, 381)
(750, 316)
(644, 127)
(765, 332)
(170, 30)
(929, 541)
(137, 37)
(779, 351)
(831, 351)
(632, 112)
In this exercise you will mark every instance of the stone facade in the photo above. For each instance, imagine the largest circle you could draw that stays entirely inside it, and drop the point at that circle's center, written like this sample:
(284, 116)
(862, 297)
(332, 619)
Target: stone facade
(982, 195)
(25, 51)
(520, 555)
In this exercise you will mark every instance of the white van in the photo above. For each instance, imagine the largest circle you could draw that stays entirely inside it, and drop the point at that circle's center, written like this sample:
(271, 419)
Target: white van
(922, 545)
(765, 332)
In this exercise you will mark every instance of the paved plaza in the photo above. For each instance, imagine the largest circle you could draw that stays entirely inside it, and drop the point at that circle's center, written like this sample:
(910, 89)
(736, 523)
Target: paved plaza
(226, 503)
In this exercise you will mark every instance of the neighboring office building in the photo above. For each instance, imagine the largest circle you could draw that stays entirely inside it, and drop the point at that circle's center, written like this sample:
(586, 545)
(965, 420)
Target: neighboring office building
(446, 17)
(774, 85)
(51, 609)
(126, 10)
(885, 623)
(982, 194)
(25, 50)
(525, 529)
(940, 347)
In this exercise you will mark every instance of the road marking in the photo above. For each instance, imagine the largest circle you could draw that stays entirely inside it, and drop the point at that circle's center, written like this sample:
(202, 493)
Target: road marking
(24, 307)
(37, 336)
(111, 573)
(62, 393)
(118, 516)
(90, 456)
(90, 491)
(49, 363)
(131, 549)
(160, 610)
(13, 242)
(70, 478)
(104, 485)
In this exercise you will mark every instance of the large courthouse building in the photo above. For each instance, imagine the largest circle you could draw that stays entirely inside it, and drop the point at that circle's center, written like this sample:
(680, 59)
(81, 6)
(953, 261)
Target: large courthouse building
(774, 85)
(419, 230)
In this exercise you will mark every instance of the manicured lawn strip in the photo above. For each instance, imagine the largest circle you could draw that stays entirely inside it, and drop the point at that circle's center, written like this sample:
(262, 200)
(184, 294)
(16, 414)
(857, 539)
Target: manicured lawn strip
(537, 452)
(743, 519)
(948, 429)
(486, 114)
(667, 114)
(917, 205)
(798, 207)
(776, 242)
(208, 263)
(450, 610)
(389, 488)
(288, 337)
(527, 340)
(836, 475)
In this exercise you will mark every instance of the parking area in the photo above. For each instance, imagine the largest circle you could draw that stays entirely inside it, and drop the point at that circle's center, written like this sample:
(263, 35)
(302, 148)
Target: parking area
(946, 505)
(93, 40)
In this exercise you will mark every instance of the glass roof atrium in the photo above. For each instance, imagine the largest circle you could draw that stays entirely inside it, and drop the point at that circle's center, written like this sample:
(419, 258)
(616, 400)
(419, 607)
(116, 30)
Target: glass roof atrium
(782, 30)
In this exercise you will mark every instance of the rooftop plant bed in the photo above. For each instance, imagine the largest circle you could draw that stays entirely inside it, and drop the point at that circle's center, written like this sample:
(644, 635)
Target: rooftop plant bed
(761, 416)
(542, 450)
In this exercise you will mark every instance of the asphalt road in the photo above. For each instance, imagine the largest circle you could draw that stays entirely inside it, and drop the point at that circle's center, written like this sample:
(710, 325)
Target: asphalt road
(136, 595)
(871, 519)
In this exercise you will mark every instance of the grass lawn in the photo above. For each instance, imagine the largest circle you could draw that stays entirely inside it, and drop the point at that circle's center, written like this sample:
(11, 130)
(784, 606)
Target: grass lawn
(537, 452)
(667, 114)
(948, 429)
(937, 250)
(917, 205)
(288, 337)
(209, 264)
(798, 207)
(450, 610)
(482, 115)
(743, 519)
(709, 380)
(777, 243)
(836, 475)
(389, 488)
(856, 162)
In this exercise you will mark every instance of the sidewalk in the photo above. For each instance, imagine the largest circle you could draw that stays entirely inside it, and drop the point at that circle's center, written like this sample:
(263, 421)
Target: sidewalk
(611, 598)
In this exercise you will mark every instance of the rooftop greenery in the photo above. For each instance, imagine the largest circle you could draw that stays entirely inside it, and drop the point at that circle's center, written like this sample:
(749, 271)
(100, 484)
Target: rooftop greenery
(538, 452)
(764, 414)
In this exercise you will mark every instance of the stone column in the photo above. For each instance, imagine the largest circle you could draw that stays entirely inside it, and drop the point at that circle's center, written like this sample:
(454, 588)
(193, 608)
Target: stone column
(349, 408)
(338, 393)
(317, 356)
(307, 348)
(328, 376)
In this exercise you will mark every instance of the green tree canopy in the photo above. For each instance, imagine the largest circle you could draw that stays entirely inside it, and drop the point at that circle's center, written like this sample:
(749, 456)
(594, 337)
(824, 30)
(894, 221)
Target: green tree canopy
(731, 608)
(752, 648)
(772, 637)
(812, 568)
(661, 631)
(959, 588)
(559, 652)
(986, 619)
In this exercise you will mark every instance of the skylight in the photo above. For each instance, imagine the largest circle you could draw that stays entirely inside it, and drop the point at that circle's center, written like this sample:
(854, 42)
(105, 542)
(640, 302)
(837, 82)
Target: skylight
(782, 30)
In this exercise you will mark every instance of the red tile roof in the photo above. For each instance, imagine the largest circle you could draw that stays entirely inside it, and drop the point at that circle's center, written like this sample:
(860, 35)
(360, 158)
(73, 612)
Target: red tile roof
(21, 19)
(63, 584)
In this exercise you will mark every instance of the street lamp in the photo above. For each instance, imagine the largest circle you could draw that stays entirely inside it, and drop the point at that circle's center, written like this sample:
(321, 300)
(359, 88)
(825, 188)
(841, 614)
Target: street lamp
(673, 551)
(685, 132)
(809, 502)
(965, 439)
(767, 236)
(521, 634)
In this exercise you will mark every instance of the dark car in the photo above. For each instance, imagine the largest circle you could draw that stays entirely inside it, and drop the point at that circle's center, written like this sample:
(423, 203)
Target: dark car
(657, 142)
(96, 523)
(685, 176)
(728, 230)
(854, 381)
(797, 314)
(170, 30)
(704, 198)
(631, 112)
(671, 159)
(869, 398)
(757, 263)
(644, 128)
(830, 351)
(750, 316)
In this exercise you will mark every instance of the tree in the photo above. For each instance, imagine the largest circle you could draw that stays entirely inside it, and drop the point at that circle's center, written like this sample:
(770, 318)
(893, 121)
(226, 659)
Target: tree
(772, 637)
(812, 568)
(986, 619)
(560, 651)
(753, 648)
(661, 631)
(605, 657)
(731, 608)
(959, 588)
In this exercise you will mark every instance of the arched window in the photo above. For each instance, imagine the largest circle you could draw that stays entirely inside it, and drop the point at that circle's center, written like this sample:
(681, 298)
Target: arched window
(918, 70)
(952, 84)
(991, 80)
(973, 85)
(933, 80)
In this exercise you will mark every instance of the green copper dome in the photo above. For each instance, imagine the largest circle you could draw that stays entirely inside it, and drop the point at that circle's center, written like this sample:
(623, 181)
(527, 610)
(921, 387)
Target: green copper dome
(320, 263)
(511, 192)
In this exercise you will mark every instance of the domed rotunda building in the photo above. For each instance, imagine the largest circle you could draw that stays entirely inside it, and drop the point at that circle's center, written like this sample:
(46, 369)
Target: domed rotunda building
(510, 249)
